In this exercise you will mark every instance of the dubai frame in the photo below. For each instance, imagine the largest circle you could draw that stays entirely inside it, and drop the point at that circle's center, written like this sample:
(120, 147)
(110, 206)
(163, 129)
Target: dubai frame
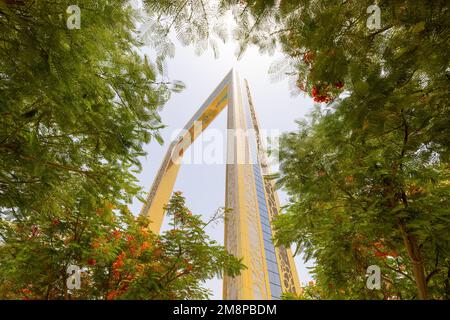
(251, 198)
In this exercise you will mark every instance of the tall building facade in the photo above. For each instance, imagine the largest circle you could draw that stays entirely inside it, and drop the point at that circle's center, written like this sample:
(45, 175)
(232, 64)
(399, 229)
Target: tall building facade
(250, 197)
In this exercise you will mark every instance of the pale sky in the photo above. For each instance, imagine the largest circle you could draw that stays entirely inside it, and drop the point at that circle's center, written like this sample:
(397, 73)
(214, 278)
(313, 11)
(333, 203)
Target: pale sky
(204, 185)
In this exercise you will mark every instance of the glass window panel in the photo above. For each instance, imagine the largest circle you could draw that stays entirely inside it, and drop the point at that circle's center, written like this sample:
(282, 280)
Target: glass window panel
(267, 247)
(275, 291)
(263, 215)
(273, 278)
(268, 234)
(265, 221)
(272, 266)
(264, 225)
(271, 256)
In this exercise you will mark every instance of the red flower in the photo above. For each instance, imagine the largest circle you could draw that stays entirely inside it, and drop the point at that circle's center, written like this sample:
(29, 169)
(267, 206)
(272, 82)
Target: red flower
(117, 234)
(95, 244)
(301, 85)
(91, 262)
(339, 85)
(378, 245)
(308, 56)
(380, 254)
(118, 264)
(145, 245)
(35, 232)
(120, 257)
(110, 206)
(393, 254)
(27, 294)
(26, 291)
(112, 295)
(325, 99)
(144, 232)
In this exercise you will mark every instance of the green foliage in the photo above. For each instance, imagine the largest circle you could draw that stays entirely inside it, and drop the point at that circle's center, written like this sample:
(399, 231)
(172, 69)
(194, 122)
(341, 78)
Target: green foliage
(349, 203)
(118, 256)
(367, 176)
(76, 108)
(198, 23)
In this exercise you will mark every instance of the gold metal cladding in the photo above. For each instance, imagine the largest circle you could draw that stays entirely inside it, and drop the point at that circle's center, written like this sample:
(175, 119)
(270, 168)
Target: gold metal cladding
(243, 228)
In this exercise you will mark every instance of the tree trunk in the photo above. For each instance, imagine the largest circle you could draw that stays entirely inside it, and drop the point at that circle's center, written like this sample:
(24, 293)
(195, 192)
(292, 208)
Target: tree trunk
(415, 256)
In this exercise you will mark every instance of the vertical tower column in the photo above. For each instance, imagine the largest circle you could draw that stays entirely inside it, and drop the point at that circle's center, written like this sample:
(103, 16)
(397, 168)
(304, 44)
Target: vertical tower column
(253, 204)
(243, 233)
(285, 262)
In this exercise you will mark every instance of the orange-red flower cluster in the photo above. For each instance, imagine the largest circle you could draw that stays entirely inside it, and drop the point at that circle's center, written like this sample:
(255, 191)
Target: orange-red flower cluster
(318, 96)
(381, 252)
(322, 93)
(27, 293)
(118, 264)
(308, 57)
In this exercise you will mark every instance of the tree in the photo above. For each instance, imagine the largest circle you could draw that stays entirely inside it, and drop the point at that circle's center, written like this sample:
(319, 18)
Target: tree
(371, 172)
(75, 104)
(76, 107)
(341, 214)
(71, 111)
(119, 258)
(198, 23)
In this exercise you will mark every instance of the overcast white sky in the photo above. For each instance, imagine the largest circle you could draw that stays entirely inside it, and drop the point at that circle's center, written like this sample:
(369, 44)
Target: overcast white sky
(204, 185)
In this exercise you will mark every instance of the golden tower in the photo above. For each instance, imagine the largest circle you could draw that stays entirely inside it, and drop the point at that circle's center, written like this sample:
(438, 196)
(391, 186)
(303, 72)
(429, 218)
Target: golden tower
(251, 198)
